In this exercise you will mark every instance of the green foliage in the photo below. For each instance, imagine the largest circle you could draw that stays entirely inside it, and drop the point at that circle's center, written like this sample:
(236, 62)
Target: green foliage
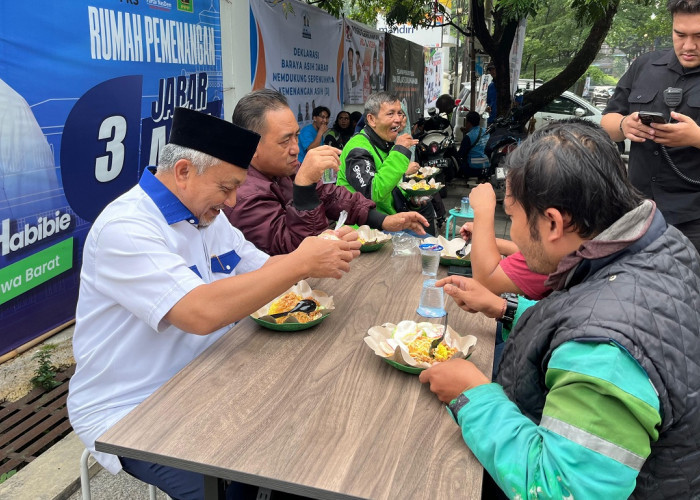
(596, 74)
(45, 374)
(598, 77)
(7, 475)
(363, 12)
(640, 28)
(514, 10)
(551, 39)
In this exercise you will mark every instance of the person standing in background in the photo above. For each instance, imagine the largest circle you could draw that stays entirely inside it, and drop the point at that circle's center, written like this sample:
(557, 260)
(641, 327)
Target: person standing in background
(491, 95)
(663, 159)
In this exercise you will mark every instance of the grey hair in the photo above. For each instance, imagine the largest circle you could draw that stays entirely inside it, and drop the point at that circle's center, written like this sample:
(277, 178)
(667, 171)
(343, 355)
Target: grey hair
(250, 110)
(375, 101)
(171, 153)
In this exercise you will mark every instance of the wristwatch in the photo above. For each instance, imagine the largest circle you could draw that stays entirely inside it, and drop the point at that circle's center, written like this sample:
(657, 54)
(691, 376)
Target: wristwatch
(511, 307)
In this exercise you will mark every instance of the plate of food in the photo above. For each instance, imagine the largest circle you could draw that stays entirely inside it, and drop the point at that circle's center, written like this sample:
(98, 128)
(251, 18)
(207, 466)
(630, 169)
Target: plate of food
(424, 173)
(298, 308)
(420, 188)
(406, 346)
(454, 252)
(371, 239)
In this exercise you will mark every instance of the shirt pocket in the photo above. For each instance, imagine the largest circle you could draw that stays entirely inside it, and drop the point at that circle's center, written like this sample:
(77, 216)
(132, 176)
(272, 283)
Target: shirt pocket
(225, 263)
(195, 270)
(694, 105)
(642, 99)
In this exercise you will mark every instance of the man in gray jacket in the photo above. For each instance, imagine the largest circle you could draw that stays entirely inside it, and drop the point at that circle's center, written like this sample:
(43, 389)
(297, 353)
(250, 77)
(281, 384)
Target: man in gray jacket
(598, 391)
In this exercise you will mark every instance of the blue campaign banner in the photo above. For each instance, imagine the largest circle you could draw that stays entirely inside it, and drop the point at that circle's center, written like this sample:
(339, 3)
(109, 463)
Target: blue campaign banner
(87, 92)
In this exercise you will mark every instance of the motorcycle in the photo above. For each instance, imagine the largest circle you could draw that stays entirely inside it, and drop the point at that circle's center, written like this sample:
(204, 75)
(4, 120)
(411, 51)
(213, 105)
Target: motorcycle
(436, 146)
(505, 135)
(436, 149)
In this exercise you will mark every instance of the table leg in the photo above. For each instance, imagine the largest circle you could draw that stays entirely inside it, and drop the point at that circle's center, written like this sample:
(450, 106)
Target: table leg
(213, 488)
(450, 220)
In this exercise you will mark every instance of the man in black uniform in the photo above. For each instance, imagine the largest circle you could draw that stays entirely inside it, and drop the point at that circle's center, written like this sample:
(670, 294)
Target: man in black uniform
(663, 161)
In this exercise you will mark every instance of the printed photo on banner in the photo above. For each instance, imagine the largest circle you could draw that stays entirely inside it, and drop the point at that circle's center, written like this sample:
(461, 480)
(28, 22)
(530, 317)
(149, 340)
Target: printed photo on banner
(482, 89)
(364, 64)
(433, 76)
(299, 53)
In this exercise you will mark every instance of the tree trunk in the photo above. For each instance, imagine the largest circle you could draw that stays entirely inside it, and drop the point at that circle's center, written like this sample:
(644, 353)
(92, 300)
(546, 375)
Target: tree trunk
(498, 47)
(577, 67)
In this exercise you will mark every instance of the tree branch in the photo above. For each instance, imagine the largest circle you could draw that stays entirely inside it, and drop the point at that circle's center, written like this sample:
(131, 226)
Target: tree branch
(535, 100)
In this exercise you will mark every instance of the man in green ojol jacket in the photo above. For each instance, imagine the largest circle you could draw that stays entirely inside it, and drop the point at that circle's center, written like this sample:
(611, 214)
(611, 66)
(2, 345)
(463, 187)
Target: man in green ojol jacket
(375, 160)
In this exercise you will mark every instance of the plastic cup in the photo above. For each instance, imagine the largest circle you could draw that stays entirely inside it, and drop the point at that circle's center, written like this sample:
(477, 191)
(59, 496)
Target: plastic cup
(432, 300)
(329, 176)
(430, 258)
(464, 208)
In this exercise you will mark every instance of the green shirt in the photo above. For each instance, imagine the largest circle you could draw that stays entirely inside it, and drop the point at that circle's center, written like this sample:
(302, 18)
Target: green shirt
(373, 167)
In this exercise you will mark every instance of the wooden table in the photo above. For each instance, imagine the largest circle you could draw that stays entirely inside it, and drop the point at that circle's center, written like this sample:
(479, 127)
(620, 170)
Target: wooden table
(315, 412)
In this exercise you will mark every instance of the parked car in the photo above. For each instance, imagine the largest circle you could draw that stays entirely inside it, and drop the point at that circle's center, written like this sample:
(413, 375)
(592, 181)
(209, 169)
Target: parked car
(569, 105)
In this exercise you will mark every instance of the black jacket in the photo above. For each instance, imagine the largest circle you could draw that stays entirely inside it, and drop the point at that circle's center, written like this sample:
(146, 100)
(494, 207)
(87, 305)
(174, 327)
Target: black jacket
(642, 88)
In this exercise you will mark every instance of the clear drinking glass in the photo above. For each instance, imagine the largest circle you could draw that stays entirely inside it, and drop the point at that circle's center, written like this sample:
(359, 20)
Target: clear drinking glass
(430, 258)
(432, 300)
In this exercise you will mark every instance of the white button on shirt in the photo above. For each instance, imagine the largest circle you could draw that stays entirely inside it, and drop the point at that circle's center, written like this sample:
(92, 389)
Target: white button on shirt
(139, 260)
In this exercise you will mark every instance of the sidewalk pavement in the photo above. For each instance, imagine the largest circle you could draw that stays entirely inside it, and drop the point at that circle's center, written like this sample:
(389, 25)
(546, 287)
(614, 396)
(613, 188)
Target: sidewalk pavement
(459, 188)
(55, 474)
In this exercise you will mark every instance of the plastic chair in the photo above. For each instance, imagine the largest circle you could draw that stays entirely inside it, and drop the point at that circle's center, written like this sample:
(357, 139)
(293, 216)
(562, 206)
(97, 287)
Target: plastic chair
(451, 224)
(85, 478)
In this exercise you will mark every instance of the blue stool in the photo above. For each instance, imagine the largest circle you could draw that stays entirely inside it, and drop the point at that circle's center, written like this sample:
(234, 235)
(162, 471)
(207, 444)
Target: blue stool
(451, 225)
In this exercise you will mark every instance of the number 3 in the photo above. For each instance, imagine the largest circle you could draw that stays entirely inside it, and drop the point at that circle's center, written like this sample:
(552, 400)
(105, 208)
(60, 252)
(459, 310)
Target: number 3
(114, 129)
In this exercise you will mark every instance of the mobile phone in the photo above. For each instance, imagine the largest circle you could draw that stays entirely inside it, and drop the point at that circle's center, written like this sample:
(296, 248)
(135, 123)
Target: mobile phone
(459, 271)
(649, 117)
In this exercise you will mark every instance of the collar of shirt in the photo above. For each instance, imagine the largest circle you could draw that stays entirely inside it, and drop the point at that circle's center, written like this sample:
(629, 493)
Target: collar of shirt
(668, 58)
(254, 172)
(375, 139)
(169, 205)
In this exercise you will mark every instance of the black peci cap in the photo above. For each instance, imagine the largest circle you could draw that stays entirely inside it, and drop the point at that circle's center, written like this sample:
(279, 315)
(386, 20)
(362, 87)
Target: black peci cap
(213, 136)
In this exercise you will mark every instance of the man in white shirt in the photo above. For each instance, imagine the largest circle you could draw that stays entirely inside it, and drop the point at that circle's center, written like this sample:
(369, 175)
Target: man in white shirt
(164, 276)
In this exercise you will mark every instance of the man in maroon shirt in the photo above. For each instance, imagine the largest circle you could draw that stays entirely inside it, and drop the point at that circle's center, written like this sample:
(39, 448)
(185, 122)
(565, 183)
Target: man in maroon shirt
(282, 202)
